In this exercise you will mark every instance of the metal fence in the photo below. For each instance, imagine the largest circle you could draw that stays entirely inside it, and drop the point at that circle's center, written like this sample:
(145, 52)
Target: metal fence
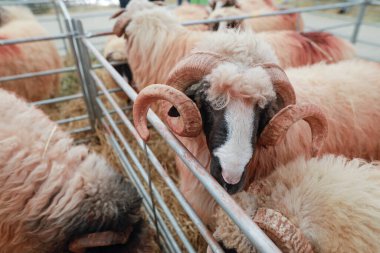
(104, 109)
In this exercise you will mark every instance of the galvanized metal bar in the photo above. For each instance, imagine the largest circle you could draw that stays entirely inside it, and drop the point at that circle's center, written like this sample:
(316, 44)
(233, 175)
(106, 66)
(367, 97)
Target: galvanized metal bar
(89, 86)
(80, 130)
(40, 73)
(144, 175)
(35, 39)
(59, 21)
(335, 27)
(93, 34)
(255, 235)
(69, 97)
(359, 20)
(25, 2)
(75, 49)
(72, 119)
(274, 13)
(186, 206)
(57, 100)
(128, 168)
(143, 193)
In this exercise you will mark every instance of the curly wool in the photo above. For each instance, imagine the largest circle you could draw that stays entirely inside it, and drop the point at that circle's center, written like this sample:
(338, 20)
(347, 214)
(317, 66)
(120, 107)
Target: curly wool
(51, 190)
(333, 200)
(232, 82)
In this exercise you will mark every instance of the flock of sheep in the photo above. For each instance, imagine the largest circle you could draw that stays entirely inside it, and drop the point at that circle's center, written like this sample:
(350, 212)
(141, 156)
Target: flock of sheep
(286, 121)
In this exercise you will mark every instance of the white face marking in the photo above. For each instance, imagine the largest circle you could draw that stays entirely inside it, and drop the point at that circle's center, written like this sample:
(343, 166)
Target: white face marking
(236, 152)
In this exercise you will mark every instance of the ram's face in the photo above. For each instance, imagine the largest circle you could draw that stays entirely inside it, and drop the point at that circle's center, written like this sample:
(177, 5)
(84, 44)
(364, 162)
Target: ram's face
(231, 135)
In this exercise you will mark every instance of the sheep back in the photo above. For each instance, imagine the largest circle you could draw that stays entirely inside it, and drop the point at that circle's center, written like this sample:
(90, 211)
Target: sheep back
(28, 57)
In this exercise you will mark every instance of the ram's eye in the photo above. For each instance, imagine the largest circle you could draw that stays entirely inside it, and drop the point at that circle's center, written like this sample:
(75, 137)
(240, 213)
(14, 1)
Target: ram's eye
(173, 112)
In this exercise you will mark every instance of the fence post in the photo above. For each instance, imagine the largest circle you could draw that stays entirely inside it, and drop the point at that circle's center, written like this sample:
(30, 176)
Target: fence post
(86, 63)
(359, 20)
(78, 62)
(60, 25)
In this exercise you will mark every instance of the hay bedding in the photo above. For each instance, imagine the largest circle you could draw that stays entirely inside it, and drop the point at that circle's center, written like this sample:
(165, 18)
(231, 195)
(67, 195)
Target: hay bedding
(97, 142)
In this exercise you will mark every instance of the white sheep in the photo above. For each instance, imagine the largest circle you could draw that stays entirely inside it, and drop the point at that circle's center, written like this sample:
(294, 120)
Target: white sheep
(327, 204)
(155, 42)
(52, 192)
(237, 110)
(271, 23)
(19, 23)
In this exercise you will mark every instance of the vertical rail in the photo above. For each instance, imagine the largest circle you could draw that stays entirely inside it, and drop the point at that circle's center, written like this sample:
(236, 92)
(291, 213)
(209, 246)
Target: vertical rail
(78, 62)
(359, 20)
(86, 62)
(60, 25)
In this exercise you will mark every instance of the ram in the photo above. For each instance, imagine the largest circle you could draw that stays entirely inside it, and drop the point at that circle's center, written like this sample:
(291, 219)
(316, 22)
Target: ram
(243, 8)
(53, 194)
(19, 23)
(232, 102)
(326, 204)
(155, 42)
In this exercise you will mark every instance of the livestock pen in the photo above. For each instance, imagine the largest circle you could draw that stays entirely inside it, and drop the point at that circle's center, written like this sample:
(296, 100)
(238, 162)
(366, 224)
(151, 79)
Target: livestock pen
(93, 115)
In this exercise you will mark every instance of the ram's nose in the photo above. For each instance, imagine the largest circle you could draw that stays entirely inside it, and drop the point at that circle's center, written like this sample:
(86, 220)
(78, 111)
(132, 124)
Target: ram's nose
(231, 178)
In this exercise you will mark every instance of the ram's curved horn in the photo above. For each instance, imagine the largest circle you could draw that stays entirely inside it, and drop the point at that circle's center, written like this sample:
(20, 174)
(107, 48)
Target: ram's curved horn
(193, 68)
(100, 239)
(121, 24)
(278, 126)
(282, 231)
(191, 124)
(281, 83)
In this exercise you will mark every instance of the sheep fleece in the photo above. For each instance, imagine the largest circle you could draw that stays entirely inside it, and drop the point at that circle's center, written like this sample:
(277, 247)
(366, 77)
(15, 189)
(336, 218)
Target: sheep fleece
(51, 190)
(333, 200)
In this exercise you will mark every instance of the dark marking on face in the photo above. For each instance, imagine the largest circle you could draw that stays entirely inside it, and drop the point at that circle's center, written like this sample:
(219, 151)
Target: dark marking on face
(125, 71)
(216, 130)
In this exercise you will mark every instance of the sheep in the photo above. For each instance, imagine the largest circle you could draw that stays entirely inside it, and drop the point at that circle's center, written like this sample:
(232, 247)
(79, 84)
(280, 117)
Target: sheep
(52, 192)
(156, 42)
(190, 12)
(326, 204)
(271, 23)
(17, 23)
(246, 102)
(115, 51)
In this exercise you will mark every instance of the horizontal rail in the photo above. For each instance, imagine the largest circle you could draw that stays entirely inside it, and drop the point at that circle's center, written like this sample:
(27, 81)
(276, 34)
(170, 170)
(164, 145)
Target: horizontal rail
(26, 2)
(40, 73)
(274, 13)
(335, 27)
(68, 98)
(80, 130)
(35, 39)
(255, 235)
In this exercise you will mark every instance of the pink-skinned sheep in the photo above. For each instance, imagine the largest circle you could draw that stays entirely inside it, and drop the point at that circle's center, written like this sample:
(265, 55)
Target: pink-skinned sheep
(291, 21)
(19, 23)
(232, 103)
(53, 193)
(326, 204)
(155, 42)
